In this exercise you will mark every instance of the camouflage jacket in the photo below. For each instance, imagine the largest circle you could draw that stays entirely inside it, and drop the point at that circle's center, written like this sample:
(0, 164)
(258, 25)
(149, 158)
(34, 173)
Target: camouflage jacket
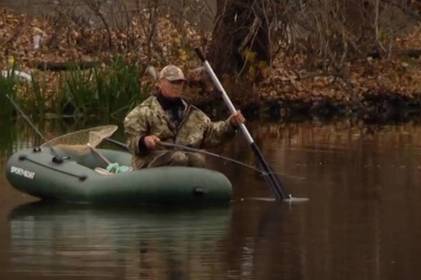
(195, 129)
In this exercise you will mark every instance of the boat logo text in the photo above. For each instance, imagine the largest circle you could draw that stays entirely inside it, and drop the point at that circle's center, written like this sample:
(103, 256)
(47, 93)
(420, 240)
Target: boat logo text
(22, 172)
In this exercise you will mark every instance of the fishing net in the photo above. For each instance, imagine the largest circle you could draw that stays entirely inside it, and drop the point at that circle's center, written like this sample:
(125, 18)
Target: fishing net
(81, 138)
(84, 141)
(81, 141)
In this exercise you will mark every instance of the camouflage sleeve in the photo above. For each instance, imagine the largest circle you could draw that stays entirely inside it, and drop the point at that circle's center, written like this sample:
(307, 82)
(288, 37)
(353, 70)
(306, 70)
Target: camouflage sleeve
(136, 126)
(217, 132)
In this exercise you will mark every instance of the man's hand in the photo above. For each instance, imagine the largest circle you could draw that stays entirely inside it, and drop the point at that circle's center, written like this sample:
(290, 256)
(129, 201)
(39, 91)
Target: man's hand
(237, 118)
(151, 142)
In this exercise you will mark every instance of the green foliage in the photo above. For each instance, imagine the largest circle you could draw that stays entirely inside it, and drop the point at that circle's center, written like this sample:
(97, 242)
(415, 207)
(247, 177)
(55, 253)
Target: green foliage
(105, 91)
(8, 86)
(117, 87)
(7, 139)
(35, 96)
(77, 89)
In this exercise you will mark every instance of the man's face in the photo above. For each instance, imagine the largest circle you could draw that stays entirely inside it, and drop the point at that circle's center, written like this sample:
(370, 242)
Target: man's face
(171, 89)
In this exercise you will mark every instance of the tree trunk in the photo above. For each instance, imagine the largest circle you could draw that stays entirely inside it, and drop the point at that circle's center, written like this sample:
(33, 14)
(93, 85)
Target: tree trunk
(241, 36)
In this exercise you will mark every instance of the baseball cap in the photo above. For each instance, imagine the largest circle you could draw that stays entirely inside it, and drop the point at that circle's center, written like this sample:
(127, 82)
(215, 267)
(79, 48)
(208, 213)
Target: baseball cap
(171, 73)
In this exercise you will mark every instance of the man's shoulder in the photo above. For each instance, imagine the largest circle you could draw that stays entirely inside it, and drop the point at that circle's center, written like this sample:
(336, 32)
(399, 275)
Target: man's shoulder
(198, 113)
(148, 103)
(143, 108)
(197, 109)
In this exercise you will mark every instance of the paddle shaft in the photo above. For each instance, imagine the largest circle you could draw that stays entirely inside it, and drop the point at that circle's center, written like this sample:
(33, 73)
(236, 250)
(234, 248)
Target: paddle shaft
(273, 181)
(227, 100)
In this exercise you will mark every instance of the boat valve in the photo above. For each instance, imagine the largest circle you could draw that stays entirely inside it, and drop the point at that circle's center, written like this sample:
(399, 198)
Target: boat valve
(22, 157)
(57, 159)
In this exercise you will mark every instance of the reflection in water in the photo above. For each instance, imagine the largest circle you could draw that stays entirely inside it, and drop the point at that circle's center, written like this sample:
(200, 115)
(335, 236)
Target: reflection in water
(78, 241)
(363, 220)
(260, 241)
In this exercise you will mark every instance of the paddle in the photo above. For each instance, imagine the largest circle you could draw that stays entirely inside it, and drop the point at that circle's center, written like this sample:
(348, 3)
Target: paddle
(270, 177)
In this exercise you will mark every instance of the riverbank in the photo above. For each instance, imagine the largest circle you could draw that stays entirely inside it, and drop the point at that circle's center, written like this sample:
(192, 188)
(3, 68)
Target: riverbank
(373, 88)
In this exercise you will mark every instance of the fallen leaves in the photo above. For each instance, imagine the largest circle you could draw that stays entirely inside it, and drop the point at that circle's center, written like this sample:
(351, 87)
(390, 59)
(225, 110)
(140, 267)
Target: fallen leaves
(288, 78)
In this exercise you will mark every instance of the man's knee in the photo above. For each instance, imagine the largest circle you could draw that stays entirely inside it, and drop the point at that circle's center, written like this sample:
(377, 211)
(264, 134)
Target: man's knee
(196, 160)
(179, 158)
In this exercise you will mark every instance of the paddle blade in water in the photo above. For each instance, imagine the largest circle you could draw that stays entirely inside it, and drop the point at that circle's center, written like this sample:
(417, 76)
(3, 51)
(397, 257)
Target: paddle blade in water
(292, 199)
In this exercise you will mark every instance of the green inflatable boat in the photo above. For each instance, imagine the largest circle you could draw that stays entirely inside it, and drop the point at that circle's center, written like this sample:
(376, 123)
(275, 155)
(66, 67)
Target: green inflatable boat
(75, 173)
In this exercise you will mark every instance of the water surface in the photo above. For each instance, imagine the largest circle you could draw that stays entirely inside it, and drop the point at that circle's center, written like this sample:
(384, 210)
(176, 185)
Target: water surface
(362, 220)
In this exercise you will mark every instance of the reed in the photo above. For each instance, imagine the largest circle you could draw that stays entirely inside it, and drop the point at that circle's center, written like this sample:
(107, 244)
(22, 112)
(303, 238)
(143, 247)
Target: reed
(7, 140)
(118, 87)
(101, 91)
(107, 91)
(8, 86)
(34, 96)
(78, 91)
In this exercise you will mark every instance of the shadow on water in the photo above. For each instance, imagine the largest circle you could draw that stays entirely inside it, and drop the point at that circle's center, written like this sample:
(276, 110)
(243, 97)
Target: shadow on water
(61, 241)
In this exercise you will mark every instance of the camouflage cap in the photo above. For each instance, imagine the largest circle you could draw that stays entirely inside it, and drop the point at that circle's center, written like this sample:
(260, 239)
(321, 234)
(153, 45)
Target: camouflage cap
(171, 73)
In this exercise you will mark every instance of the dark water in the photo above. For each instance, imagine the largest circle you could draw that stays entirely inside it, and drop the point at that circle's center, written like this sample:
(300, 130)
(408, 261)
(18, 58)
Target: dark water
(362, 221)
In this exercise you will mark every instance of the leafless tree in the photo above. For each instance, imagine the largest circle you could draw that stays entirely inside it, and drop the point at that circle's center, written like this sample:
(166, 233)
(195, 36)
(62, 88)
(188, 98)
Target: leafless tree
(328, 32)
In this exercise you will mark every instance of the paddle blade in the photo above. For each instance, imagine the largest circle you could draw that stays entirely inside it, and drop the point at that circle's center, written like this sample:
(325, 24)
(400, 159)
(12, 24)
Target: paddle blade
(292, 199)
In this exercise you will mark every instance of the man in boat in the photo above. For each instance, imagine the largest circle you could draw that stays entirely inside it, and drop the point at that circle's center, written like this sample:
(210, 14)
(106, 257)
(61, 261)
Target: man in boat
(165, 116)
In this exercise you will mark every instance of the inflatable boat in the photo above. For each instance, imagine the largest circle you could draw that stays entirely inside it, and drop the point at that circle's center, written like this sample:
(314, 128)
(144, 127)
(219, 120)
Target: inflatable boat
(70, 173)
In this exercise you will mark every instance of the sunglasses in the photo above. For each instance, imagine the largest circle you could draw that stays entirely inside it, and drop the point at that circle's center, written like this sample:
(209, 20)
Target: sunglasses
(178, 82)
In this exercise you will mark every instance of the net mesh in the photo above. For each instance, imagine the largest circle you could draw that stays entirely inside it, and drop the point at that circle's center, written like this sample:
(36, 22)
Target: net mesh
(78, 141)
(81, 142)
